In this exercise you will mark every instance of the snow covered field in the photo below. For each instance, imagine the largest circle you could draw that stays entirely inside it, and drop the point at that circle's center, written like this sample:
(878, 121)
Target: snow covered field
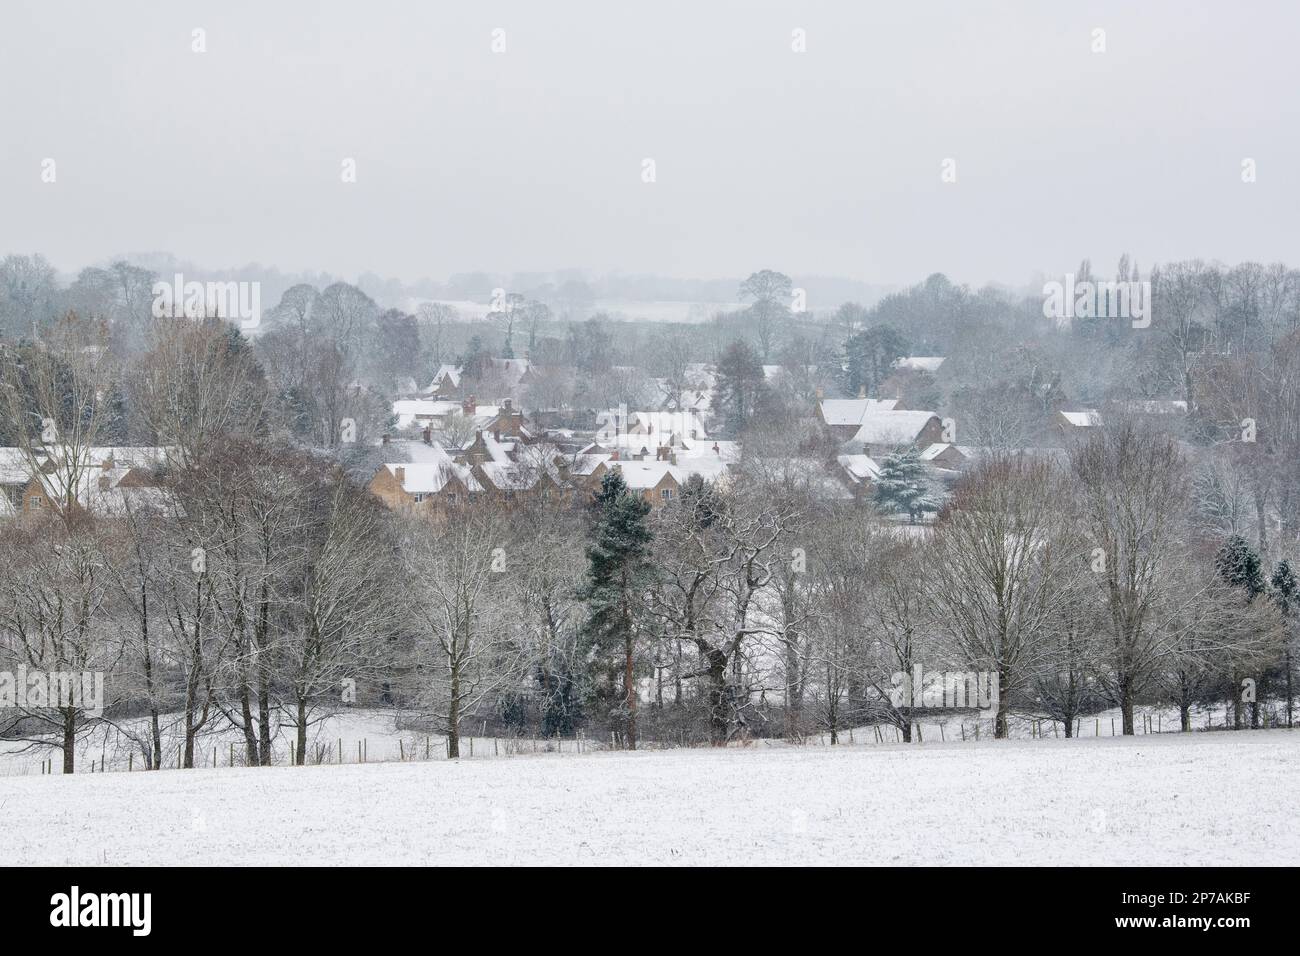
(1194, 799)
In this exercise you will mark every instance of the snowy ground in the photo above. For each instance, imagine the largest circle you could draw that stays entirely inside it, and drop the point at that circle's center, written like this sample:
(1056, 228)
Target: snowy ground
(1195, 799)
(374, 736)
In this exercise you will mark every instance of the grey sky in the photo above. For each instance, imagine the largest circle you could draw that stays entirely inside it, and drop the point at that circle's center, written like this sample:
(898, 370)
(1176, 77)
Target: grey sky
(826, 162)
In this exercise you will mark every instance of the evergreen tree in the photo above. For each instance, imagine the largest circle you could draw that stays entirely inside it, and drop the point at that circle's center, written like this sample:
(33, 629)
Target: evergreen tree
(618, 567)
(1239, 565)
(904, 486)
(740, 386)
(1287, 599)
(869, 358)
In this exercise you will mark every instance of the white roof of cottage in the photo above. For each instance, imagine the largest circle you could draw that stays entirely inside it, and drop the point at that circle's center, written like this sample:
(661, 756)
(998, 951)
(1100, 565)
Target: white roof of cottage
(859, 467)
(1083, 418)
(15, 468)
(920, 363)
(640, 475)
(655, 427)
(851, 411)
(428, 477)
(584, 463)
(93, 486)
(409, 411)
(450, 372)
(931, 452)
(892, 427)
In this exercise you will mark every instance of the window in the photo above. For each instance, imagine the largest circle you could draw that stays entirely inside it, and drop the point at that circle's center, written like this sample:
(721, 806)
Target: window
(419, 496)
(35, 501)
(666, 494)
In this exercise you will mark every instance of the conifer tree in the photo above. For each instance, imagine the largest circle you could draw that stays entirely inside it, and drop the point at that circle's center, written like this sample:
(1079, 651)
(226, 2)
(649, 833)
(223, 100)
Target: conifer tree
(904, 487)
(618, 568)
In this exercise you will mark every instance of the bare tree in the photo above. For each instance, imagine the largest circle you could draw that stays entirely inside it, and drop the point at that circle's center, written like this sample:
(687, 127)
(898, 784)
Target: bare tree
(467, 644)
(1132, 490)
(1004, 556)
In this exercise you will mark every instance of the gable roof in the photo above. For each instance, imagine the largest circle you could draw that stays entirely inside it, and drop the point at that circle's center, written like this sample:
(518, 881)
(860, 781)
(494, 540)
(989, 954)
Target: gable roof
(859, 468)
(851, 411)
(892, 427)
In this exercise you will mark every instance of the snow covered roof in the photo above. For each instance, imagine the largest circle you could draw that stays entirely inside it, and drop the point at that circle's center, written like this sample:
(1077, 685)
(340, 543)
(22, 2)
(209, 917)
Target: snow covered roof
(106, 476)
(892, 427)
(411, 411)
(650, 427)
(429, 477)
(1083, 418)
(920, 363)
(859, 467)
(641, 475)
(449, 372)
(931, 452)
(15, 468)
(584, 463)
(851, 411)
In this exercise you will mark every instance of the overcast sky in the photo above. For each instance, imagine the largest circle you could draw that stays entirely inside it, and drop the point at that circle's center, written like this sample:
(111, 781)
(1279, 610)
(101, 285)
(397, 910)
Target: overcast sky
(826, 162)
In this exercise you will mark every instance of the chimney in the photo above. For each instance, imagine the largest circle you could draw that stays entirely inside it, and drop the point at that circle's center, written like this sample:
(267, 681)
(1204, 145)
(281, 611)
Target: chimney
(862, 391)
(400, 474)
(469, 406)
(385, 438)
(496, 434)
(107, 464)
(104, 482)
(819, 392)
(716, 450)
(614, 455)
(427, 434)
(508, 404)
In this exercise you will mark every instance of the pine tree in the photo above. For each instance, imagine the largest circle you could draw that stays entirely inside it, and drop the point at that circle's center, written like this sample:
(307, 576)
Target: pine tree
(740, 386)
(1239, 565)
(869, 356)
(1287, 599)
(904, 486)
(618, 568)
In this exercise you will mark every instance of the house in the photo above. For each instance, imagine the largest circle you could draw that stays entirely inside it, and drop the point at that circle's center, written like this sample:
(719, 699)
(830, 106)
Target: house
(650, 428)
(658, 483)
(1072, 421)
(424, 412)
(843, 416)
(858, 473)
(446, 382)
(430, 485)
(884, 431)
(509, 422)
(100, 480)
(947, 455)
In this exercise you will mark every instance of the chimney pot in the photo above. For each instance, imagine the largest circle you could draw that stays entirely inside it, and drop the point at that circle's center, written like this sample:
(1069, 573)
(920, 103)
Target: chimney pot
(400, 474)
